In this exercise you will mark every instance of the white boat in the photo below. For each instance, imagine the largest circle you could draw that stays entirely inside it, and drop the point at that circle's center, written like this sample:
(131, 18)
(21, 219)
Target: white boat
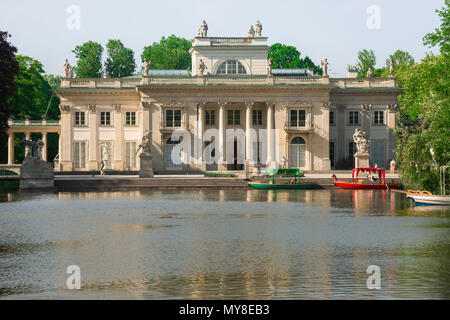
(427, 198)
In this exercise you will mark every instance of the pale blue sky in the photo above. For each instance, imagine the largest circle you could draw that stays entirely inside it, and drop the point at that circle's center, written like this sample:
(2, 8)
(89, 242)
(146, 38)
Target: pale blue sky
(335, 29)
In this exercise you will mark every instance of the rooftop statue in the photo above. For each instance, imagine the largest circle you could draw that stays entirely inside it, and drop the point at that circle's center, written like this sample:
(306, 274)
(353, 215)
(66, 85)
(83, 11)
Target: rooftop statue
(251, 32)
(68, 69)
(370, 73)
(203, 30)
(202, 67)
(391, 67)
(362, 144)
(146, 67)
(269, 66)
(258, 28)
(324, 64)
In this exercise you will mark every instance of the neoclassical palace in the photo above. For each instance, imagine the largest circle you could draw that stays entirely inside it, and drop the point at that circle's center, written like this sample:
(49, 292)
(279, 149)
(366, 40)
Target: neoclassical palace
(231, 86)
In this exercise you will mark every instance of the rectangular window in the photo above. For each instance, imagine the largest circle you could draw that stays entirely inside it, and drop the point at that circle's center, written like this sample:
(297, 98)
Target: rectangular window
(173, 118)
(353, 118)
(332, 154)
(105, 118)
(297, 118)
(130, 118)
(257, 117)
(234, 117)
(79, 118)
(210, 117)
(378, 117)
(79, 154)
(351, 150)
(130, 155)
(332, 120)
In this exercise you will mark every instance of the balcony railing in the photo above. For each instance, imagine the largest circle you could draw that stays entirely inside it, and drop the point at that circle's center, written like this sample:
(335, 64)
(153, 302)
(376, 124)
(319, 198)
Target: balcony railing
(298, 125)
(173, 125)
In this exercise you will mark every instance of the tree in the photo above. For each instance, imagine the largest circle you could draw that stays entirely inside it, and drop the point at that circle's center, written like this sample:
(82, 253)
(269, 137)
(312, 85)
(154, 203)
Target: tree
(169, 53)
(120, 61)
(424, 122)
(8, 70)
(400, 58)
(89, 64)
(288, 57)
(53, 81)
(366, 60)
(33, 92)
(441, 36)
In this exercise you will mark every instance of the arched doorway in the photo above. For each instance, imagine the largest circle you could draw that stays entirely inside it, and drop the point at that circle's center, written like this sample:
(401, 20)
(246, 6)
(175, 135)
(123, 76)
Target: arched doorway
(170, 163)
(297, 153)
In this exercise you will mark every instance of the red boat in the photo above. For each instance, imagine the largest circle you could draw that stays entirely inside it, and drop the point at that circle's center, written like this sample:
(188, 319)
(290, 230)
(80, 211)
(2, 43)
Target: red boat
(380, 183)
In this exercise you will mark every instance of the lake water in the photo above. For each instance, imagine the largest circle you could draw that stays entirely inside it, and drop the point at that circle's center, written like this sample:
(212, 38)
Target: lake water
(223, 244)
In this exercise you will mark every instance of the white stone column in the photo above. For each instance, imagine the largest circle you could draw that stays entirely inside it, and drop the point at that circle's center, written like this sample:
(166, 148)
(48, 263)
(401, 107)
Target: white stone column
(11, 148)
(27, 149)
(269, 133)
(44, 149)
(248, 136)
(201, 110)
(93, 138)
(221, 146)
(118, 162)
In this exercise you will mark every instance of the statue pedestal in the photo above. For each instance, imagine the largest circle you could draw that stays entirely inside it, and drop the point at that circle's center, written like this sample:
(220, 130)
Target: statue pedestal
(146, 168)
(36, 174)
(362, 160)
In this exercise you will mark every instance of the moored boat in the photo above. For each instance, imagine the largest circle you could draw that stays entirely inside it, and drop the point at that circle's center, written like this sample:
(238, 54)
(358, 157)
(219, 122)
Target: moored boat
(293, 184)
(427, 198)
(356, 183)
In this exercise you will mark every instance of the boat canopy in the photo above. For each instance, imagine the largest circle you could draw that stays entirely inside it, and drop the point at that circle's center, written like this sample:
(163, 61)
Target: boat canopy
(293, 172)
(381, 173)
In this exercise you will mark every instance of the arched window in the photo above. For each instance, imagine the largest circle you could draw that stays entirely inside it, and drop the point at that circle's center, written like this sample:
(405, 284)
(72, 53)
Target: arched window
(297, 153)
(231, 67)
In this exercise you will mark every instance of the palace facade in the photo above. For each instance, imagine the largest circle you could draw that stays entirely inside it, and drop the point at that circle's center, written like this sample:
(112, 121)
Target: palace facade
(231, 86)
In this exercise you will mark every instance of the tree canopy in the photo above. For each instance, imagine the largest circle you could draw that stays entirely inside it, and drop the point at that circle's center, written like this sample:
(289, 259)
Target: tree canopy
(8, 70)
(288, 57)
(440, 37)
(89, 64)
(169, 53)
(366, 60)
(120, 60)
(399, 58)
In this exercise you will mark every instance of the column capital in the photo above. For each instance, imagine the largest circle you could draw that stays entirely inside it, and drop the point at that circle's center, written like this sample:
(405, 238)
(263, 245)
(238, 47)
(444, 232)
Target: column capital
(249, 103)
(326, 105)
(392, 107)
(222, 103)
(117, 107)
(366, 107)
(146, 105)
(65, 108)
(92, 108)
(201, 104)
(341, 106)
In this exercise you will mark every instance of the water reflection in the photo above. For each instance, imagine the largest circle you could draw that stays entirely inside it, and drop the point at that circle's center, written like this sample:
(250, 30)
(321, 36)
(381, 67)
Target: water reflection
(223, 244)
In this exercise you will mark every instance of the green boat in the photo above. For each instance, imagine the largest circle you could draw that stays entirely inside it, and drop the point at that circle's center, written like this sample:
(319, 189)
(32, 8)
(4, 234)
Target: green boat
(294, 184)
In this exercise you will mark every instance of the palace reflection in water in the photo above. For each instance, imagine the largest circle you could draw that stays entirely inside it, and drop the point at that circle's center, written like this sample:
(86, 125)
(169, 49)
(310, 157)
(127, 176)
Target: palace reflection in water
(222, 244)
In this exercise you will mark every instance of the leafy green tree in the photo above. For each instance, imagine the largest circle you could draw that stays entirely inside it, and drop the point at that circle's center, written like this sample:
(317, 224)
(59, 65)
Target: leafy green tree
(424, 122)
(120, 61)
(33, 93)
(288, 57)
(89, 64)
(169, 53)
(400, 57)
(441, 36)
(8, 70)
(53, 80)
(366, 60)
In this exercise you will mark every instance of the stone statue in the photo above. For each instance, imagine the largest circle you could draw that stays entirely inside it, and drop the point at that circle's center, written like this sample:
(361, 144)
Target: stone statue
(258, 28)
(203, 30)
(35, 148)
(324, 64)
(145, 143)
(269, 66)
(201, 67)
(146, 67)
(251, 32)
(391, 67)
(370, 73)
(362, 144)
(68, 69)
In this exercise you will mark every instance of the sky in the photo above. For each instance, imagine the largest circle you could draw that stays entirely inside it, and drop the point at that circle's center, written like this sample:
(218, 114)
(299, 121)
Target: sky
(48, 30)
